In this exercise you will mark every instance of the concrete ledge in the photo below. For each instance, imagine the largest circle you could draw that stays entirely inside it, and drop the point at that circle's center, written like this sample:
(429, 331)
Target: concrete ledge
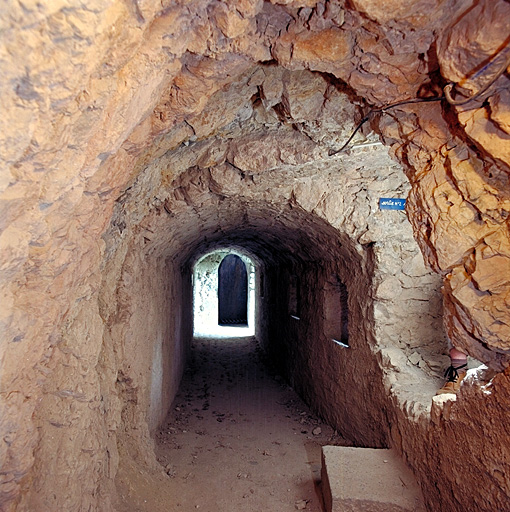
(368, 480)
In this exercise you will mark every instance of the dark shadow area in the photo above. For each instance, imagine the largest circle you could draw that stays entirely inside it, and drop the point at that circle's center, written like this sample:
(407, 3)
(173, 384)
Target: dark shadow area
(232, 291)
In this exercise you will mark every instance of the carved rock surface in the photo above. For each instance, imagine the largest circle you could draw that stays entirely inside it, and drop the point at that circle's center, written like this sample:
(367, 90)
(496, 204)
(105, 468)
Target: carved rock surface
(120, 120)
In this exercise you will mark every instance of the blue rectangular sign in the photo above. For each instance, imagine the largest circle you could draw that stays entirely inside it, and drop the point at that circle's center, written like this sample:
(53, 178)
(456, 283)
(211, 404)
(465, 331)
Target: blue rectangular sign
(390, 203)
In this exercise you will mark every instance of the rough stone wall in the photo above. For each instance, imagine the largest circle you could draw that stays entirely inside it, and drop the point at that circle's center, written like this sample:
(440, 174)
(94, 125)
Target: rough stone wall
(77, 413)
(205, 292)
(394, 307)
(152, 351)
(90, 95)
(151, 312)
(109, 396)
(324, 373)
(461, 442)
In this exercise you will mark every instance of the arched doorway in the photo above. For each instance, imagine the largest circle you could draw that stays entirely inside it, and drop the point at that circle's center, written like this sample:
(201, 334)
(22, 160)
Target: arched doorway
(206, 295)
(232, 291)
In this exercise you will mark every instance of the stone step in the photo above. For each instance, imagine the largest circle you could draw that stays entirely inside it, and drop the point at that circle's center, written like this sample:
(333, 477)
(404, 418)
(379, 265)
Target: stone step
(368, 480)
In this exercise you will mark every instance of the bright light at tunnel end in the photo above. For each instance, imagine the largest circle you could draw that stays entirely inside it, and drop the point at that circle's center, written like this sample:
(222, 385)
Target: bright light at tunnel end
(205, 297)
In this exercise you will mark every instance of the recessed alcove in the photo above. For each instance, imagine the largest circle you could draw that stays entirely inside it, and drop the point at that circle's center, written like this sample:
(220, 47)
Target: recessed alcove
(336, 311)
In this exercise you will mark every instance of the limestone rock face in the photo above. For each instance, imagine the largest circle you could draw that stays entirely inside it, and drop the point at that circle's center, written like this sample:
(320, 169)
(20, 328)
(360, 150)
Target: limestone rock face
(149, 131)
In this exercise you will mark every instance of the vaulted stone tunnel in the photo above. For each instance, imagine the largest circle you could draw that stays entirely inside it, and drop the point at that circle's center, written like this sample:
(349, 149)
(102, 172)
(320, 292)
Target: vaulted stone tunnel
(138, 136)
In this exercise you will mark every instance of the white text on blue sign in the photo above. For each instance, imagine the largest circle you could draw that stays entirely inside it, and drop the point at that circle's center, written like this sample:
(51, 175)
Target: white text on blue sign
(391, 203)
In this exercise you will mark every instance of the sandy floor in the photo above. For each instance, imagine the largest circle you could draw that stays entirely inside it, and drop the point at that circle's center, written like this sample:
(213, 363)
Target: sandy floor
(237, 439)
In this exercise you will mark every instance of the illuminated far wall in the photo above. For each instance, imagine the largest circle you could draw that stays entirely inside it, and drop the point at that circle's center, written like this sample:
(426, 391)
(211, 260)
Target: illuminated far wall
(205, 297)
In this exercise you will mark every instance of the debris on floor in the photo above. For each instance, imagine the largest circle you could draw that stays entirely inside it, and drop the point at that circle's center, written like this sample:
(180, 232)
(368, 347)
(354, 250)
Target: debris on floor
(237, 438)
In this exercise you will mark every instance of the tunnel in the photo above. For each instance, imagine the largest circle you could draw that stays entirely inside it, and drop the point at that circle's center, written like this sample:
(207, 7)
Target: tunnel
(297, 252)
(354, 157)
(305, 254)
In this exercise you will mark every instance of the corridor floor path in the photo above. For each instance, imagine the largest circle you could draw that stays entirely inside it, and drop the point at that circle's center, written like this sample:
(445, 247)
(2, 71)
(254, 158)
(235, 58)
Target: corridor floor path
(238, 439)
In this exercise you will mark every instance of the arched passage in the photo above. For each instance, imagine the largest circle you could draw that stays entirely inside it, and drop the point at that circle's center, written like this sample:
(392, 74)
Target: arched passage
(298, 236)
(295, 243)
(203, 196)
(83, 126)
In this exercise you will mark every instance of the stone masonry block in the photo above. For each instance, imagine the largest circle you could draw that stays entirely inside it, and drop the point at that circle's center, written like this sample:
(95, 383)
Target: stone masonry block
(368, 480)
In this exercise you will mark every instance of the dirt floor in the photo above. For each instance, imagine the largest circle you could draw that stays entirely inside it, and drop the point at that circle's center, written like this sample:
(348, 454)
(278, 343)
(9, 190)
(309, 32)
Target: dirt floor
(237, 439)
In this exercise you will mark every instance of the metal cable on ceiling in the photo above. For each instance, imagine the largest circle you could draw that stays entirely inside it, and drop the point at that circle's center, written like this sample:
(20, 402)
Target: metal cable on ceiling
(447, 95)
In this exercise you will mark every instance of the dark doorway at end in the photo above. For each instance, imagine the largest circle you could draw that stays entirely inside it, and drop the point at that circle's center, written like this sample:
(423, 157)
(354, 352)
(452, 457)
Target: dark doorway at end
(232, 292)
